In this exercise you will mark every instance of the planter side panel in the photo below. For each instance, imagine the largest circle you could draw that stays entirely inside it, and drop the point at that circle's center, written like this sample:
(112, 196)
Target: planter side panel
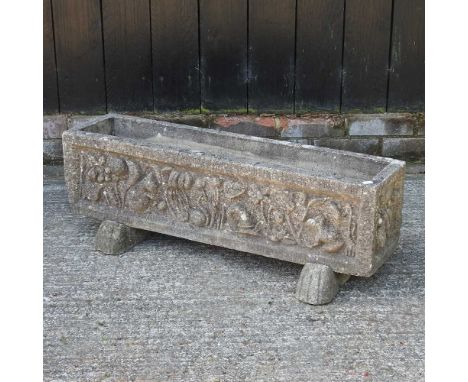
(388, 216)
(219, 204)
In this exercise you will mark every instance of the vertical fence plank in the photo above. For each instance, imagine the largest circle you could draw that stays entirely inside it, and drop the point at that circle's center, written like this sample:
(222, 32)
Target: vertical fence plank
(49, 71)
(319, 55)
(366, 55)
(249, 52)
(127, 49)
(406, 83)
(78, 38)
(271, 55)
(175, 55)
(223, 47)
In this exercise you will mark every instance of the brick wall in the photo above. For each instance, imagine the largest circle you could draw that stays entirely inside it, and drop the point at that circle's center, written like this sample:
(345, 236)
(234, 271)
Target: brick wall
(396, 135)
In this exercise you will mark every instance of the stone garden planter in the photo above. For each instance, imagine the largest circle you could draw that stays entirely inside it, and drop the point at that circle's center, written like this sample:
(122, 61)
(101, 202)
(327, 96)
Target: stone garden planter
(339, 213)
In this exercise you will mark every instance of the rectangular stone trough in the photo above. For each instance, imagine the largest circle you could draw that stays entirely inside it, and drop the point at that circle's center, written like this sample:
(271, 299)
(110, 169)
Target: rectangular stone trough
(298, 203)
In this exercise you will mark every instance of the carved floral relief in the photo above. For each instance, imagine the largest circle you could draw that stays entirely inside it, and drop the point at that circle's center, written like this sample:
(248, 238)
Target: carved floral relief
(389, 213)
(220, 203)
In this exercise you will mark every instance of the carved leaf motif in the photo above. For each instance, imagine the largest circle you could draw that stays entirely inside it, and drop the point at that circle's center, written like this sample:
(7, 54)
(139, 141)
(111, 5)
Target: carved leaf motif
(220, 202)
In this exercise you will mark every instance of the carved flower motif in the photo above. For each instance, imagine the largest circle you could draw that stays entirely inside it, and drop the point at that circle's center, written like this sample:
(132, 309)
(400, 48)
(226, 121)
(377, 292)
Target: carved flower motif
(239, 219)
(105, 170)
(102, 175)
(321, 227)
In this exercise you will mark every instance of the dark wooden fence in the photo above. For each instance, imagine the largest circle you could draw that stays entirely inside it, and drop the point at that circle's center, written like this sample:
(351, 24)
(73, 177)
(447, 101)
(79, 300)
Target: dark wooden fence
(233, 55)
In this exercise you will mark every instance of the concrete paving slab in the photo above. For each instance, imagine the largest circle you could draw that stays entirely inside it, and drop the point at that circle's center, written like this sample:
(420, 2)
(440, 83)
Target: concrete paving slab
(175, 310)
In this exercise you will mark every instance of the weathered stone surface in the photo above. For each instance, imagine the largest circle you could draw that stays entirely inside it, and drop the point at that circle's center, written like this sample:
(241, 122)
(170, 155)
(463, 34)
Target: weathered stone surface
(199, 120)
(54, 126)
(277, 199)
(317, 284)
(300, 129)
(421, 130)
(405, 148)
(79, 121)
(312, 128)
(113, 238)
(52, 151)
(366, 146)
(176, 310)
(381, 124)
(302, 141)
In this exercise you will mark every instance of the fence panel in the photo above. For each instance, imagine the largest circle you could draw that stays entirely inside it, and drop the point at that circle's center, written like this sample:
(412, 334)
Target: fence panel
(319, 55)
(271, 55)
(234, 56)
(366, 55)
(80, 61)
(127, 49)
(223, 47)
(406, 86)
(176, 73)
(49, 71)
